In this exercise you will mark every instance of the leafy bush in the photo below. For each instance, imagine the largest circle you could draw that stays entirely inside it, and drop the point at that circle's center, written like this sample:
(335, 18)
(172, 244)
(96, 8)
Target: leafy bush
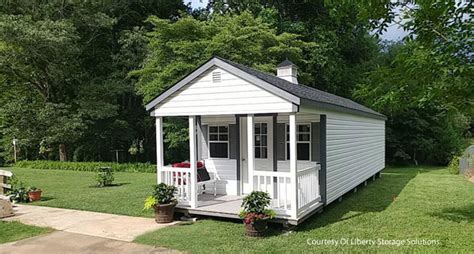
(105, 177)
(162, 194)
(255, 207)
(18, 191)
(453, 166)
(88, 166)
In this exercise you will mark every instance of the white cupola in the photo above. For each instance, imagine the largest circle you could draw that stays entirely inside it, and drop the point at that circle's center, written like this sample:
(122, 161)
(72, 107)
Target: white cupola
(288, 71)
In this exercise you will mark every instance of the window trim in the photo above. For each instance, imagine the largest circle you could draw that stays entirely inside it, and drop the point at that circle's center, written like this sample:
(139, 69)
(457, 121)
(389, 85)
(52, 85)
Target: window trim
(209, 141)
(298, 142)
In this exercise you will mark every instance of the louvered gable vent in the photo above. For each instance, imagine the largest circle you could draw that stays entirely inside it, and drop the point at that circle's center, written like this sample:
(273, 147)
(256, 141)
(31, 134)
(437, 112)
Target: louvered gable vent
(216, 77)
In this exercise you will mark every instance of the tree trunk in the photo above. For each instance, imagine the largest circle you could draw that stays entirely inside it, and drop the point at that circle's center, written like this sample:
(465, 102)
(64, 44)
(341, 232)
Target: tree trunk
(62, 152)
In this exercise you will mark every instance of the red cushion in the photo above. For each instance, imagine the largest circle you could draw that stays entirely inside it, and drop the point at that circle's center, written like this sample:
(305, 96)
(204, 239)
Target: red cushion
(200, 164)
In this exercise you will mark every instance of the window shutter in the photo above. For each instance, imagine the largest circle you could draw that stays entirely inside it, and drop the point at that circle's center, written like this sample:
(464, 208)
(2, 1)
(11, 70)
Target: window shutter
(315, 141)
(232, 141)
(280, 145)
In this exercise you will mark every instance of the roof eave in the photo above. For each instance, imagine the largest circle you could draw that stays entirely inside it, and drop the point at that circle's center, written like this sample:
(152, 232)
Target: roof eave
(328, 106)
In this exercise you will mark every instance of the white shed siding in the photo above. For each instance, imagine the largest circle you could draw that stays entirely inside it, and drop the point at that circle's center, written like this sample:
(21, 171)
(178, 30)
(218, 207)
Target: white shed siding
(232, 95)
(355, 151)
(226, 171)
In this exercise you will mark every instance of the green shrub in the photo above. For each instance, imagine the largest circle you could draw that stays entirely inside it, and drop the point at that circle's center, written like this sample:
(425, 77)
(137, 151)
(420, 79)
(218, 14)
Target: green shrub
(88, 166)
(162, 194)
(18, 191)
(453, 166)
(105, 177)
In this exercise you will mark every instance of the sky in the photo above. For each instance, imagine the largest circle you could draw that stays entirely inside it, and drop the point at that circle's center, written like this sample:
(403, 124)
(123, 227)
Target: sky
(394, 32)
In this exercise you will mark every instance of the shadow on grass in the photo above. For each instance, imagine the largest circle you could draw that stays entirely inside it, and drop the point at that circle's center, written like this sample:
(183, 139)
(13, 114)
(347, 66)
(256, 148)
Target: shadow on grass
(457, 214)
(109, 186)
(375, 197)
(46, 198)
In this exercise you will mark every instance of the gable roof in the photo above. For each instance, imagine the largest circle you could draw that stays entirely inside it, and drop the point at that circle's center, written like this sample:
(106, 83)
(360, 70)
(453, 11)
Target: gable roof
(285, 89)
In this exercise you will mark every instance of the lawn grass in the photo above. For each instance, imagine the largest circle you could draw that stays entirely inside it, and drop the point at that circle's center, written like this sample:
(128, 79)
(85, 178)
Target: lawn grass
(14, 231)
(406, 203)
(77, 190)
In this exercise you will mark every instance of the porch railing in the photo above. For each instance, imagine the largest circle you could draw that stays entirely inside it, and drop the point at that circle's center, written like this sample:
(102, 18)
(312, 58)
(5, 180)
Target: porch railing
(181, 179)
(280, 187)
(308, 188)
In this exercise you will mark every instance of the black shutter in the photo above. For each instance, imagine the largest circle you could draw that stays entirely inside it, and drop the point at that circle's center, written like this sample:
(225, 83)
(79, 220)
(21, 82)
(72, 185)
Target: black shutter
(281, 141)
(315, 142)
(232, 141)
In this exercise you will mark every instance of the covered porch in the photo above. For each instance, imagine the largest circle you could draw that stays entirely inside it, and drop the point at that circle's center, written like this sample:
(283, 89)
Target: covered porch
(257, 159)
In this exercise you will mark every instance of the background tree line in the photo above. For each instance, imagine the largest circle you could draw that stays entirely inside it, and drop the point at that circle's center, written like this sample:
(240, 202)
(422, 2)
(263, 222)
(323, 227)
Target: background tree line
(75, 75)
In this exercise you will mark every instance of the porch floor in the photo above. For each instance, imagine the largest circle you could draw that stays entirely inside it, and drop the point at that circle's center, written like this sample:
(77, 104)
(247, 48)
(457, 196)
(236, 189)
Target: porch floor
(227, 206)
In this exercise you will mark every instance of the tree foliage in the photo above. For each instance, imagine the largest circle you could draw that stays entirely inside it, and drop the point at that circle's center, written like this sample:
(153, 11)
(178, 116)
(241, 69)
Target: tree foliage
(74, 75)
(425, 84)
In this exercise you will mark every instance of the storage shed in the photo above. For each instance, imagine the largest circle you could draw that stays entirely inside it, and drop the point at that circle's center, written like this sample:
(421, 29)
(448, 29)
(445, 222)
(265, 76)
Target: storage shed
(258, 131)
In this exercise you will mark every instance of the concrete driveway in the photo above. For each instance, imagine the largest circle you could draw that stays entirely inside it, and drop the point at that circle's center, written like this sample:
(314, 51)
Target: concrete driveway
(65, 242)
(111, 226)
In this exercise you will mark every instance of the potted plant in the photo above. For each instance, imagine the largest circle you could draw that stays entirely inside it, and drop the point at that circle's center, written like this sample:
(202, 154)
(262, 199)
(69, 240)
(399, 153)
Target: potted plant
(34, 194)
(163, 201)
(256, 214)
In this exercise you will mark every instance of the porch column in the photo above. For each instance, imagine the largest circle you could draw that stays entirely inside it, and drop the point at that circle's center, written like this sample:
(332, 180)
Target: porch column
(293, 166)
(250, 149)
(193, 161)
(159, 148)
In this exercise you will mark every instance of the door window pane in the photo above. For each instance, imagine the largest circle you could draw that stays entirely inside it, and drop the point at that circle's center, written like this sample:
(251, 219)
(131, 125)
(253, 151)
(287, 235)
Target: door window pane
(261, 140)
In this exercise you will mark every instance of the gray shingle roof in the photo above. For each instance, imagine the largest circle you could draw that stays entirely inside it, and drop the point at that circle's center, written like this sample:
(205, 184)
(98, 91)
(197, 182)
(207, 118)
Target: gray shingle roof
(305, 92)
(284, 63)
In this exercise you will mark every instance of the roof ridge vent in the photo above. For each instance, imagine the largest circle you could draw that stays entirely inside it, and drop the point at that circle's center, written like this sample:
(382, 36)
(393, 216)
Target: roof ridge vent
(288, 71)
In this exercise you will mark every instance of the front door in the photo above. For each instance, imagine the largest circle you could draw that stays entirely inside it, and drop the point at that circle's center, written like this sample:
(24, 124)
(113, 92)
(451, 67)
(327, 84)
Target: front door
(263, 148)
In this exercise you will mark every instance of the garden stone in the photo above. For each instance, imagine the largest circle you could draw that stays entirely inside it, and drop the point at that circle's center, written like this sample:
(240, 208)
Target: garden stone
(6, 209)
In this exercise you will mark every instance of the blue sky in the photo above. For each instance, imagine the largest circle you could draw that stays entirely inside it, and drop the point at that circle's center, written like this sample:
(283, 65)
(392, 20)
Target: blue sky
(393, 33)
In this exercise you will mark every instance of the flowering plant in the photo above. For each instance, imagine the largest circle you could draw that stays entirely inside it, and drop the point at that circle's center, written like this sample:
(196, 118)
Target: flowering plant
(255, 207)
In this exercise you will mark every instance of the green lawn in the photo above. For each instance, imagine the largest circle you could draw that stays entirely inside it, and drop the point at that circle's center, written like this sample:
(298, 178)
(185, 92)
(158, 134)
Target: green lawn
(76, 190)
(14, 231)
(409, 203)
(406, 203)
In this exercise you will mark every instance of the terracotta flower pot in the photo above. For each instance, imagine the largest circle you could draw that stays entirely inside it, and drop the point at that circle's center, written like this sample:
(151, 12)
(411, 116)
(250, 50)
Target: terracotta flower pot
(34, 195)
(257, 228)
(164, 213)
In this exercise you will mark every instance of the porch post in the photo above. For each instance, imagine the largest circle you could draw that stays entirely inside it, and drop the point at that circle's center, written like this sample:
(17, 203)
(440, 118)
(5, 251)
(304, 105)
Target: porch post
(293, 166)
(159, 148)
(250, 150)
(193, 161)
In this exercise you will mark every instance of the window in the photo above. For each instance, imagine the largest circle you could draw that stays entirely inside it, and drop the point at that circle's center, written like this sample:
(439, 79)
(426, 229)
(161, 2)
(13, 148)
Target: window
(303, 142)
(219, 141)
(261, 139)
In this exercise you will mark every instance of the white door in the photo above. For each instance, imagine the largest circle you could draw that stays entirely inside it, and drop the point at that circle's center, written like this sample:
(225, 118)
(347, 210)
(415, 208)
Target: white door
(263, 149)
(244, 181)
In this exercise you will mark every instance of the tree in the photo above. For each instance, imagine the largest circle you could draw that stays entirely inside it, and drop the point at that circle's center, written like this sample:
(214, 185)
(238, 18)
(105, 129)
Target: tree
(72, 59)
(176, 48)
